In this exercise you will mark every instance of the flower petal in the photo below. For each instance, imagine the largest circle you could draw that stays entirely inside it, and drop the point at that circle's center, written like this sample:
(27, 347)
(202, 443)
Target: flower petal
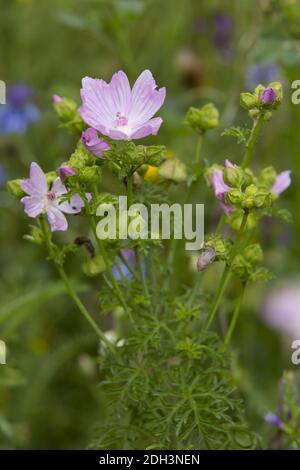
(282, 182)
(149, 128)
(58, 188)
(73, 207)
(33, 205)
(56, 219)
(95, 109)
(36, 184)
(145, 100)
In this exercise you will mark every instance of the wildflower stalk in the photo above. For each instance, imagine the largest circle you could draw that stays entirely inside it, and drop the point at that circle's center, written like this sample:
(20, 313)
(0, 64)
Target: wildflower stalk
(226, 272)
(256, 128)
(107, 262)
(70, 289)
(235, 317)
(197, 157)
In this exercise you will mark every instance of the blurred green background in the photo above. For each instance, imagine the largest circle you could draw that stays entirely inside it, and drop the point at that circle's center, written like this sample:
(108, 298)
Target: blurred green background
(208, 50)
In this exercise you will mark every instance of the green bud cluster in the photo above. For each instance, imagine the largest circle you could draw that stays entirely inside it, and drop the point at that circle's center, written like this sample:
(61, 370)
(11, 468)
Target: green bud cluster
(69, 117)
(248, 192)
(254, 104)
(86, 166)
(203, 119)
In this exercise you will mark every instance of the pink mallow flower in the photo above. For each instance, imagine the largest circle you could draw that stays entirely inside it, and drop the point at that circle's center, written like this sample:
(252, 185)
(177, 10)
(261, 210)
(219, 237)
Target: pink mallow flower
(44, 200)
(220, 188)
(282, 182)
(93, 143)
(118, 111)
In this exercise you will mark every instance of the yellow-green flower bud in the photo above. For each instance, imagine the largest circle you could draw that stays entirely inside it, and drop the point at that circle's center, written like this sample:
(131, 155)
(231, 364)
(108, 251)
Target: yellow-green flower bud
(233, 176)
(248, 100)
(90, 175)
(251, 190)
(267, 176)
(204, 118)
(14, 188)
(253, 253)
(234, 196)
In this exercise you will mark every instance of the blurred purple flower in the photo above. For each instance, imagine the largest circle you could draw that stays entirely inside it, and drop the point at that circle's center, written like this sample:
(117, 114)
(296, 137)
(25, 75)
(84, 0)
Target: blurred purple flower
(42, 199)
(220, 188)
(272, 418)
(223, 33)
(281, 309)
(66, 170)
(261, 74)
(282, 182)
(93, 143)
(129, 255)
(119, 112)
(56, 99)
(19, 112)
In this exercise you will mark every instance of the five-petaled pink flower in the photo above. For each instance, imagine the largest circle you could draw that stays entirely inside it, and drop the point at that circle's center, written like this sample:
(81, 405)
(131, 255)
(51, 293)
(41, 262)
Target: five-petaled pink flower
(42, 199)
(119, 112)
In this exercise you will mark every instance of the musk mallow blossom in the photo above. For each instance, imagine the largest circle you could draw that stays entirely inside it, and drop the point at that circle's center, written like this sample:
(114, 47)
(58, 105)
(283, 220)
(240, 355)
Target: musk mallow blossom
(221, 188)
(119, 112)
(93, 143)
(42, 199)
(281, 183)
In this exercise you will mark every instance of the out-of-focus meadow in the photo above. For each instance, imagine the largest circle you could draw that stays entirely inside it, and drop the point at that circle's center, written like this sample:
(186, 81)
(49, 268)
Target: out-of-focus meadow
(209, 50)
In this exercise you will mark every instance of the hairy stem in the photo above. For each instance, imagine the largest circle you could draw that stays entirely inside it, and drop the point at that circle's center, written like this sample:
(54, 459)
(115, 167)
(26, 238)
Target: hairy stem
(256, 128)
(226, 273)
(235, 317)
(69, 287)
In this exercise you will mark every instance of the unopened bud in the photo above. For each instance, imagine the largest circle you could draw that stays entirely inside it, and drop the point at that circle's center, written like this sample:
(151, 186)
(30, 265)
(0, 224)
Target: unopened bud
(206, 258)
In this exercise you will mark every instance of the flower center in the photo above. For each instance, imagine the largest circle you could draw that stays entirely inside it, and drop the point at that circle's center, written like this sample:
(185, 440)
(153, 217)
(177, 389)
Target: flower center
(51, 196)
(121, 121)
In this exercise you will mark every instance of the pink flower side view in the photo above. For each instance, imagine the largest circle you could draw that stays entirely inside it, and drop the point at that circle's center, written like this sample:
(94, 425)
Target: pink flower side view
(93, 143)
(220, 190)
(42, 200)
(282, 182)
(119, 112)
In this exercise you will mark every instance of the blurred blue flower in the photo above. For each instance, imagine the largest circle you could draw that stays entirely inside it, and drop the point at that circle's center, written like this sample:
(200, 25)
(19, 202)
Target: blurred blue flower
(261, 74)
(223, 33)
(273, 419)
(3, 176)
(19, 112)
(129, 255)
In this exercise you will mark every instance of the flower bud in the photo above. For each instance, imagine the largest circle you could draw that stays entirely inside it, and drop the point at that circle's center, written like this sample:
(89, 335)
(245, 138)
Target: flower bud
(233, 176)
(251, 190)
(68, 114)
(66, 170)
(93, 143)
(248, 100)
(268, 96)
(241, 267)
(267, 176)
(234, 196)
(203, 119)
(173, 169)
(14, 188)
(253, 253)
(206, 258)
(261, 199)
(56, 99)
(90, 175)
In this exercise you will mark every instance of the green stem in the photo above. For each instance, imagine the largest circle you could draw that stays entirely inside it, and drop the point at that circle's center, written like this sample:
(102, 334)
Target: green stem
(174, 242)
(107, 262)
(221, 225)
(226, 273)
(256, 128)
(129, 191)
(69, 287)
(235, 317)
